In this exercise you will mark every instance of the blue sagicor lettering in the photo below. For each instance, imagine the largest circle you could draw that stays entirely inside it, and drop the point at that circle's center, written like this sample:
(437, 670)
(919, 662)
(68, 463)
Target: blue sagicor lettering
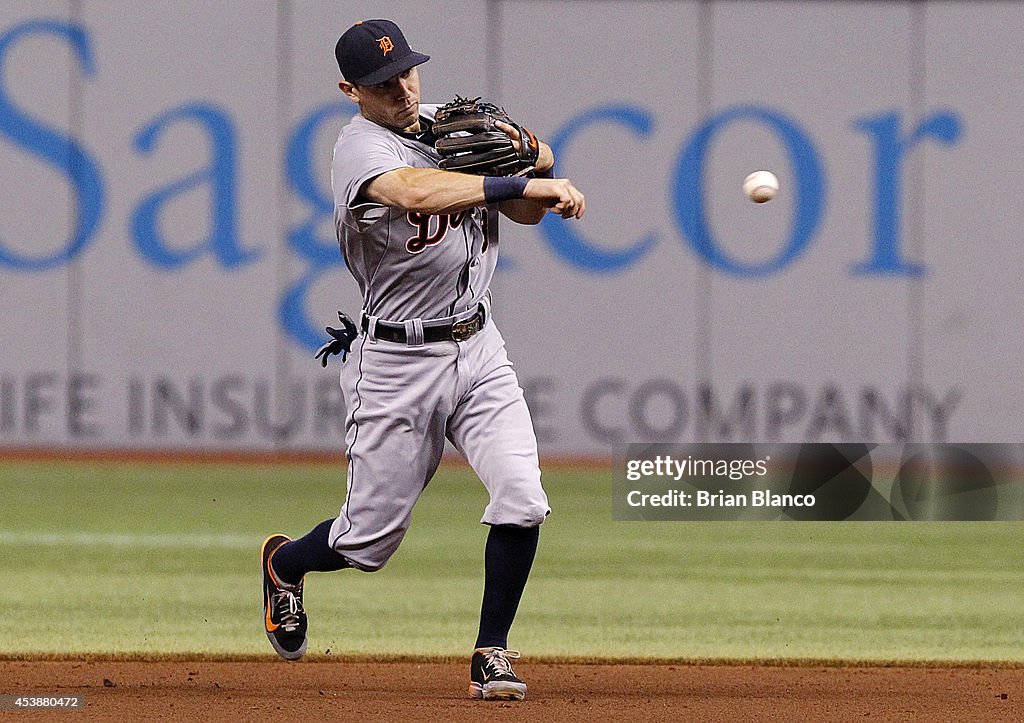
(321, 254)
(563, 239)
(54, 148)
(809, 193)
(221, 175)
(890, 150)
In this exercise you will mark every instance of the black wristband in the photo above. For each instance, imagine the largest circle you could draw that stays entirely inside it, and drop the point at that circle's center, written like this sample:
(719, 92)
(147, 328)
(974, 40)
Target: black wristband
(504, 188)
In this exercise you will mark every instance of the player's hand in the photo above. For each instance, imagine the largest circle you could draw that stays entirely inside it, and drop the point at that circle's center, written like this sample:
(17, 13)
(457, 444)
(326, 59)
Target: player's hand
(558, 194)
(545, 158)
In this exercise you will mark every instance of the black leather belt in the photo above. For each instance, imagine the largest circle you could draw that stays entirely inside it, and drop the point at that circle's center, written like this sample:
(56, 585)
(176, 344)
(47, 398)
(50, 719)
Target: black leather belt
(456, 331)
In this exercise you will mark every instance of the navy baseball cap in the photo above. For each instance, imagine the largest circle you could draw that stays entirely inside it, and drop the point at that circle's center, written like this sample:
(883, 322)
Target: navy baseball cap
(372, 51)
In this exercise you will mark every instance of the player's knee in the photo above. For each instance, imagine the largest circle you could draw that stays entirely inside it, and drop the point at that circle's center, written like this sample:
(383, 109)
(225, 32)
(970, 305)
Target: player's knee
(536, 515)
(371, 566)
(369, 559)
(530, 513)
(523, 514)
(370, 556)
(534, 509)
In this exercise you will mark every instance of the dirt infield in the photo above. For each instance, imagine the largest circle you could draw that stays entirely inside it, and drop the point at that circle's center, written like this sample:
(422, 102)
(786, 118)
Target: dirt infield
(276, 690)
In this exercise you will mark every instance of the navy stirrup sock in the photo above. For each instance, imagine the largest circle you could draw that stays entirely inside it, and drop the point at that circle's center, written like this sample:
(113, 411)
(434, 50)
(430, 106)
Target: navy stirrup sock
(312, 553)
(508, 558)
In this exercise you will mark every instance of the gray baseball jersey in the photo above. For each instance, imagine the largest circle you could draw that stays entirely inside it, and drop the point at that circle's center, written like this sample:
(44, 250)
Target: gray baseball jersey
(408, 265)
(404, 399)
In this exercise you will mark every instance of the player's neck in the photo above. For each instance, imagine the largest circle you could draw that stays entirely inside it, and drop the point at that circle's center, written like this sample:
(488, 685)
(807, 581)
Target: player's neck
(419, 131)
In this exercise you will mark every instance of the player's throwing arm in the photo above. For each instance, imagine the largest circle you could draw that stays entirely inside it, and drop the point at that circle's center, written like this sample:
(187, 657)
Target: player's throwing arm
(558, 194)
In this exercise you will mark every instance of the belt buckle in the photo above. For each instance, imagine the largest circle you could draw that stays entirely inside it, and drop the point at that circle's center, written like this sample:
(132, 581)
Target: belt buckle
(462, 330)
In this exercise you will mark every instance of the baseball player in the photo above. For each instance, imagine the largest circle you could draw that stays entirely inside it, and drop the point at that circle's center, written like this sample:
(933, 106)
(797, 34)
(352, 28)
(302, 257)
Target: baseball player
(425, 361)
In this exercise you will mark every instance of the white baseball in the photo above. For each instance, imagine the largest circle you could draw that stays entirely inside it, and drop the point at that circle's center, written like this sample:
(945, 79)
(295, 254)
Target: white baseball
(760, 186)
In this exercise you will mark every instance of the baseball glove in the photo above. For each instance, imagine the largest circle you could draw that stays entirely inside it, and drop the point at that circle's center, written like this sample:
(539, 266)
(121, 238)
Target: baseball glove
(469, 140)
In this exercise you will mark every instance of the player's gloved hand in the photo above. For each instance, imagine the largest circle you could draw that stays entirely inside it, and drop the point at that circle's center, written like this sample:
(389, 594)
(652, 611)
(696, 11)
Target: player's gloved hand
(341, 343)
(473, 136)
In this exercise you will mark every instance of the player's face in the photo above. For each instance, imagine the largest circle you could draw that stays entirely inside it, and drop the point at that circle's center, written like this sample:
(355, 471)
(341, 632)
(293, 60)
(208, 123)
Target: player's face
(394, 104)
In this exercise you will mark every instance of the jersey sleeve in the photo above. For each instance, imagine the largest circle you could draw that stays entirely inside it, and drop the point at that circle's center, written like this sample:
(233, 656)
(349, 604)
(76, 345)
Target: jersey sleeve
(359, 158)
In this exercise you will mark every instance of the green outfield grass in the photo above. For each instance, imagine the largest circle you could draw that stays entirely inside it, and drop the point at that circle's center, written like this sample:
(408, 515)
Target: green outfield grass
(120, 558)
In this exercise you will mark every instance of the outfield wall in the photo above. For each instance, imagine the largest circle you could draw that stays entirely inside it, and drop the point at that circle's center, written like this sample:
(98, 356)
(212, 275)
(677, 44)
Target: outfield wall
(167, 253)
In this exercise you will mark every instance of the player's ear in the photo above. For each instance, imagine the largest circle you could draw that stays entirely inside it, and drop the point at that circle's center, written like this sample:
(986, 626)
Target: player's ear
(350, 90)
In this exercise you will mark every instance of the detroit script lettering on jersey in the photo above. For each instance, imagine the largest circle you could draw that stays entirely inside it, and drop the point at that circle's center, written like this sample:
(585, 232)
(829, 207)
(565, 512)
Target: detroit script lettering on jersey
(425, 236)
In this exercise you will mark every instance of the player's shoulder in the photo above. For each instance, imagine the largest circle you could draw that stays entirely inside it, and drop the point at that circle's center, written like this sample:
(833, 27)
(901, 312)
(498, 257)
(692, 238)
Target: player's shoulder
(360, 127)
(429, 110)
